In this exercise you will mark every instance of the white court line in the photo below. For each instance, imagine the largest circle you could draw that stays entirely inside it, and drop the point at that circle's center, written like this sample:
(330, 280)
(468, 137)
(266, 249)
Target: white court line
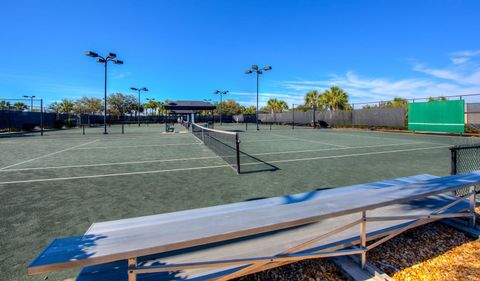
(314, 141)
(46, 155)
(266, 140)
(110, 164)
(349, 155)
(135, 146)
(119, 174)
(201, 158)
(218, 166)
(334, 149)
(363, 135)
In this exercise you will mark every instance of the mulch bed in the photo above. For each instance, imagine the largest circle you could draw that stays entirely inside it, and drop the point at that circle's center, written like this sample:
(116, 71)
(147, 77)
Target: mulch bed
(431, 252)
(308, 270)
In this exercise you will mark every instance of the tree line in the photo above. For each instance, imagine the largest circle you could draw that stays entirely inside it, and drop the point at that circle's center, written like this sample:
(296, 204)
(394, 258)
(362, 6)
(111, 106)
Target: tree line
(119, 104)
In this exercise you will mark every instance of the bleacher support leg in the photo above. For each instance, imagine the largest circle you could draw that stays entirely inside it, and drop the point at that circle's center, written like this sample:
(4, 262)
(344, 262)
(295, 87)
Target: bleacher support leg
(472, 205)
(363, 239)
(132, 263)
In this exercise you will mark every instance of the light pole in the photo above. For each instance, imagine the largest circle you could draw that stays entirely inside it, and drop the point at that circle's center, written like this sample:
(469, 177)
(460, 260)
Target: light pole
(258, 72)
(110, 57)
(31, 101)
(139, 90)
(221, 93)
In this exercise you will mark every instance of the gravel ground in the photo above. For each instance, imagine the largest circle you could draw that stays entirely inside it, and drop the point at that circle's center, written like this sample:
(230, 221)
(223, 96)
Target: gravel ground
(431, 252)
(309, 270)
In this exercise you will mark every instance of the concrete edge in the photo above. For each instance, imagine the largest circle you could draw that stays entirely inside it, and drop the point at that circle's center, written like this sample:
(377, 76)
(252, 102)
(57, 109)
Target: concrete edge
(350, 266)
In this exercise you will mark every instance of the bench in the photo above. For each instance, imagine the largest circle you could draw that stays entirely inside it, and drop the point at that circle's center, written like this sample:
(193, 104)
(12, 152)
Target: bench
(229, 241)
(169, 128)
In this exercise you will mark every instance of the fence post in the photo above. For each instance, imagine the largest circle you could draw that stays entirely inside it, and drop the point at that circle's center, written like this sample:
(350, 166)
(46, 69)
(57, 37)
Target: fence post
(41, 117)
(293, 117)
(453, 165)
(353, 115)
(9, 119)
(123, 130)
(83, 129)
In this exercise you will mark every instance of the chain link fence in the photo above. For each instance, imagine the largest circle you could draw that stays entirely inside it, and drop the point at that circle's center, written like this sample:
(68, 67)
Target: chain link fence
(465, 158)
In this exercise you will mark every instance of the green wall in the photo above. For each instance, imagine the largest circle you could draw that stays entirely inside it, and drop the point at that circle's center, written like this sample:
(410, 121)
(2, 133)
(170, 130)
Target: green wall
(437, 116)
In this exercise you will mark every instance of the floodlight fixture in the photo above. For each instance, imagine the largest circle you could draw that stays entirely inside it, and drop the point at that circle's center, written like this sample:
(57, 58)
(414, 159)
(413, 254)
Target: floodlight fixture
(220, 93)
(91, 54)
(139, 104)
(109, 57)
(256, 69)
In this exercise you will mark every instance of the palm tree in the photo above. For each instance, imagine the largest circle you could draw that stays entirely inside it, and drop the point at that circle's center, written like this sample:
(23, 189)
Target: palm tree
(20, 106)
(66, 106)
(249, 110)
(4, 105)
(335, 98)
(312, 99)
(276, 106)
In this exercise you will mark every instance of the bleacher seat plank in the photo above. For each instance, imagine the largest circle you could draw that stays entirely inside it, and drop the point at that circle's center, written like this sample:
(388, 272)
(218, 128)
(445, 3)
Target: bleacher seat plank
(315, 214)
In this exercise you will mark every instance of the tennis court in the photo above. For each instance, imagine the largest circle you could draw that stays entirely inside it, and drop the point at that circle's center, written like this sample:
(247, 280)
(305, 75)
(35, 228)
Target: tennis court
(59, 184)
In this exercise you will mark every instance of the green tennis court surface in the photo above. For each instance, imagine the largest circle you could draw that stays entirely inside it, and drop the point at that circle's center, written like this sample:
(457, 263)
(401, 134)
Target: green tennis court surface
(59, 184)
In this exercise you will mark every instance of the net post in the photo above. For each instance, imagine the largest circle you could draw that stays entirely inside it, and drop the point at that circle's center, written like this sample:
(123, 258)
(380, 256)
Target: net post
(83, 129)
(237, 144)
(123, 129)
(41, 117)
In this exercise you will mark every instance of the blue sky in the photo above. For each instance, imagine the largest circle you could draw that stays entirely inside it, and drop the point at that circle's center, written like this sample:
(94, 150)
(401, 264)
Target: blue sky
(376, 50)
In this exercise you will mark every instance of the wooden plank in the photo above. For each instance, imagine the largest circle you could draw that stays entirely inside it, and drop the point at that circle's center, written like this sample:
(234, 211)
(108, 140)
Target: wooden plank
(172, 234)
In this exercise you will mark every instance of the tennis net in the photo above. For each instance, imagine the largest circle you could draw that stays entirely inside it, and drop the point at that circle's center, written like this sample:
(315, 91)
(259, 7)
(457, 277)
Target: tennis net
(223, 143)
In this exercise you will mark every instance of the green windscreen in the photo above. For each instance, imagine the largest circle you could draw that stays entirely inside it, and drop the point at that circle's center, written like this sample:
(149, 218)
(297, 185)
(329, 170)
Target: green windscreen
(437, 116)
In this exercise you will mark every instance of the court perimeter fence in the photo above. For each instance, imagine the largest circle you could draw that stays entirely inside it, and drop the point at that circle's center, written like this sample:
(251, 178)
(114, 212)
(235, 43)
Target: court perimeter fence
(37, 119)
(372, 114)
(374, 117)
(464, 159)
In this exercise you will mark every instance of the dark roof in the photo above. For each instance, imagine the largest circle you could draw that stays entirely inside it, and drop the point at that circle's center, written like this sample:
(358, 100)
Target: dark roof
(182, 111)
(189, 105)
